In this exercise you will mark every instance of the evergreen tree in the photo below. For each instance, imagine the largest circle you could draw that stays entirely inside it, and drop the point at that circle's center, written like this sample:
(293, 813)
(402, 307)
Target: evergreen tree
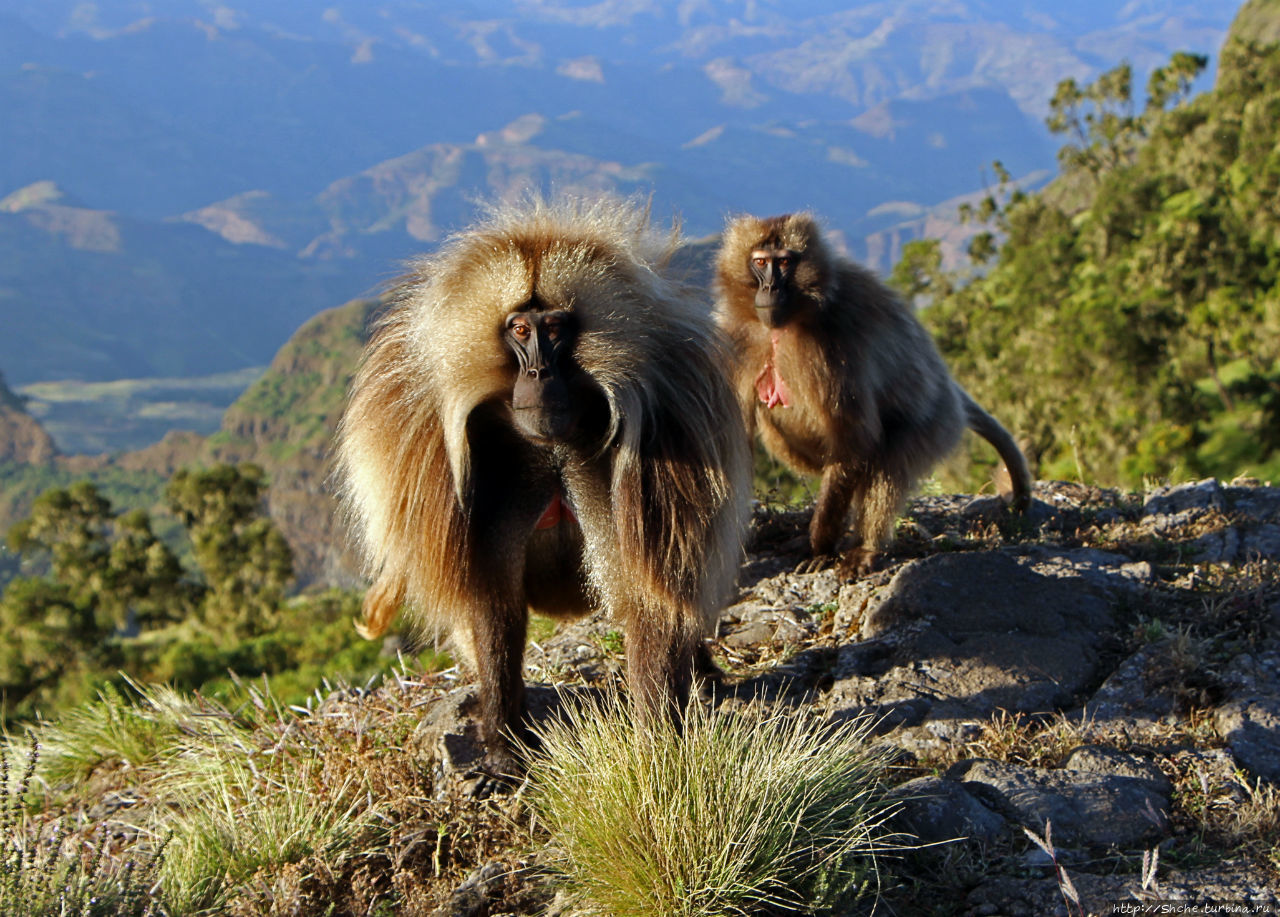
(244, 560)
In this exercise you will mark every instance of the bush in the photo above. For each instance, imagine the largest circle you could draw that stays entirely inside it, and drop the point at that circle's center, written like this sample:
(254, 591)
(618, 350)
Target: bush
(44, 872)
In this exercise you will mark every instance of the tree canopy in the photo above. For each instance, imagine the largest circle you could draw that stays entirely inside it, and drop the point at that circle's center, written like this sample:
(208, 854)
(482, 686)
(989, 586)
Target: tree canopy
(1128, 322)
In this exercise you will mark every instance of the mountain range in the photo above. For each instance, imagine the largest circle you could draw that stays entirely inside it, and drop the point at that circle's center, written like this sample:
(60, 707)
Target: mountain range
(184, 184)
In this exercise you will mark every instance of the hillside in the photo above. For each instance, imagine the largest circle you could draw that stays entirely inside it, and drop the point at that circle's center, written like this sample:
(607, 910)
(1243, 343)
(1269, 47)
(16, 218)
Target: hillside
(284, 422)
(1105, 675)
(22, 439)
(96, 295)
(1142, 285)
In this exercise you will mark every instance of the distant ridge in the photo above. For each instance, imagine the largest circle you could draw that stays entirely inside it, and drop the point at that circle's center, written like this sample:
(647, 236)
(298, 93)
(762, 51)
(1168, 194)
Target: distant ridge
(22, 439)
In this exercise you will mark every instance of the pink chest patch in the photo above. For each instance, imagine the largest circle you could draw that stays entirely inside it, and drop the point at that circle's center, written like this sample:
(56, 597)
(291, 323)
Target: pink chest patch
(770, 385)
(557, 511)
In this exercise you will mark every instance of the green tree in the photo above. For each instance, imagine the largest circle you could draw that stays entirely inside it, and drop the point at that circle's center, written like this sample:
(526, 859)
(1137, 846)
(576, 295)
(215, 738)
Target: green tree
(105, 576)
(52, 645)
(115, 566)
(1099, 119)
(146, 584)
(244, 560)
(68, 527)
(1129, 323)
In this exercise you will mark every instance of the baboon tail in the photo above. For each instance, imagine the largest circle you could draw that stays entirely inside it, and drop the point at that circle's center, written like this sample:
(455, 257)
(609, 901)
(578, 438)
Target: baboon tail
(1015, 462)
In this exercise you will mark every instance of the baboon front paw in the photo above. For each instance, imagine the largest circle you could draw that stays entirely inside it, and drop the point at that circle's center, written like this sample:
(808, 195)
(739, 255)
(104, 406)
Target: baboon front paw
(859, 562)
(815, 563)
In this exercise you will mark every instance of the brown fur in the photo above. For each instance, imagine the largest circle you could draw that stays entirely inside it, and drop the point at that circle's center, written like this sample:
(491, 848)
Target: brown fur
(443, 493)
(872, 405)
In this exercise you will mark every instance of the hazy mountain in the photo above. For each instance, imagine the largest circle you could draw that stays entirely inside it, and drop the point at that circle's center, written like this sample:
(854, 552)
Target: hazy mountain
(224, 172)
(94, 294)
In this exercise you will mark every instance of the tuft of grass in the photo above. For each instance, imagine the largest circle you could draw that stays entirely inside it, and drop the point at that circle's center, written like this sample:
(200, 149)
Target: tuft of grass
(113, 730)
(244, 816)
(240, 808)
(735, 814)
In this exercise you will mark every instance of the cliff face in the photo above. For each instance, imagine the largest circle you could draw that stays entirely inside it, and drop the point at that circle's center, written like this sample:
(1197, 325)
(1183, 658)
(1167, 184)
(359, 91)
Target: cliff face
(22, 439)
(285, 423)
(1257, 21)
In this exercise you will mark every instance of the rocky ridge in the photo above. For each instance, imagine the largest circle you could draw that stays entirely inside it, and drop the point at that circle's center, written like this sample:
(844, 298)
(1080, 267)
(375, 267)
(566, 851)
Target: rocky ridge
(1081, 707)
(1105, 674)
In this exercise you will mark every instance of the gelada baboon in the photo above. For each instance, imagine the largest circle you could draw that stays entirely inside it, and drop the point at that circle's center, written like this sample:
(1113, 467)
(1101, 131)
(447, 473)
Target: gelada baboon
(841, 380)
(540, 422)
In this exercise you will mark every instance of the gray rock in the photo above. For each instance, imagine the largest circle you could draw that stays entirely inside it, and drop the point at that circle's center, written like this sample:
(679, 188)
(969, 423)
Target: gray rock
(1253, 673)
(985, 593)
(1107, 572)
(1184, 502)
(1237, 545)
(1224, 883)
(934, 810)
(750, 623)
(472, 897)
(1135, 692)
(1257, 504)
(448, 732)
(797, 591)
(1096, 810)
(1251, 728)
(1101, 761)
(852, 601)
(955, 637)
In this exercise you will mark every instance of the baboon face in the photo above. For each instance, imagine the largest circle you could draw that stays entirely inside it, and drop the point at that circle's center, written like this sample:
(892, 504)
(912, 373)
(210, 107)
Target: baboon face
(774, 267)
(552, 400)
(786, 269)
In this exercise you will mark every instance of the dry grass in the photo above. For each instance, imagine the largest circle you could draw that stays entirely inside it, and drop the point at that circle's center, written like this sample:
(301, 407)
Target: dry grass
(49, 869)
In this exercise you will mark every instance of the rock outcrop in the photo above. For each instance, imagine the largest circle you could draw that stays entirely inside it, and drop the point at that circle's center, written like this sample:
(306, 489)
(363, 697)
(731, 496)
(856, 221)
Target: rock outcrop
(22, 439)
(1104, 674)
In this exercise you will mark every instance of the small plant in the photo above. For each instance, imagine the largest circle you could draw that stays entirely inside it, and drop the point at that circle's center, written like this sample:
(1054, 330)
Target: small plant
(735, 814)
(1070, 896)
(822, 610)
(48, 870)
(1149, 630)
(1021, 739)
(611, 642)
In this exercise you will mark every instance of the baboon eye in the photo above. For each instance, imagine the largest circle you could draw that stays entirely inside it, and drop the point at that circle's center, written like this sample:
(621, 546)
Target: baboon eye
(760, 262)
(521, 329)
(553, 329)
(784, 261)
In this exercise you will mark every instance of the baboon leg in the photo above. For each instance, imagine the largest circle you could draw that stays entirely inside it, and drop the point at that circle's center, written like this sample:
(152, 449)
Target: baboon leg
(879, 498)
(660, 663)
(704, 664)
(829, 516)
(498, 634)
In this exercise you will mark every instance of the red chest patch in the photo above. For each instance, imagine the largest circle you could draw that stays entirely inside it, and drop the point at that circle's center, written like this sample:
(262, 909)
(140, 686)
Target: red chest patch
(770, 385)
(557, 511)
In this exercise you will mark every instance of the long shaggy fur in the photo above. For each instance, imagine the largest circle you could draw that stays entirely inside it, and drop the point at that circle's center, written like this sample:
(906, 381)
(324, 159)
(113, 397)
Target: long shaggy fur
(662, 502)
(873, 406)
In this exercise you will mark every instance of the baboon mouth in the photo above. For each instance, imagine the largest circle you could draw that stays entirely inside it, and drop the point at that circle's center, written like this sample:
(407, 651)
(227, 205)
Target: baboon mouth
(772, 316)
(545, 426)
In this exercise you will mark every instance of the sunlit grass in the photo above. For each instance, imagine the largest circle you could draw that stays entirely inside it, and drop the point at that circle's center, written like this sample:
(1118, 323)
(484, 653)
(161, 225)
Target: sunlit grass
(741, 813)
